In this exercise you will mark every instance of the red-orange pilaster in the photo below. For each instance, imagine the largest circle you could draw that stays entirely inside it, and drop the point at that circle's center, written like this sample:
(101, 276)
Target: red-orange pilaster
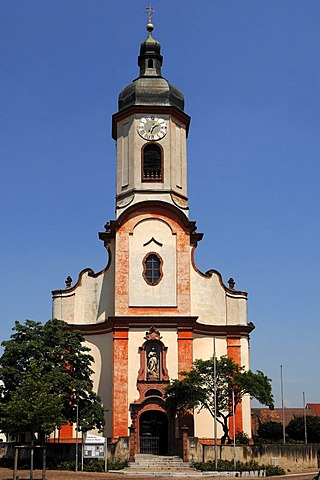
(66, 433)
(185, 350)
(120, 383)
(234, 352)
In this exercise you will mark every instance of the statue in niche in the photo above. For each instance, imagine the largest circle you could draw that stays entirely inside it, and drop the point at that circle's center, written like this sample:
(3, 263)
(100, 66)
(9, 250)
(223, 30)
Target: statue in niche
(153, 365)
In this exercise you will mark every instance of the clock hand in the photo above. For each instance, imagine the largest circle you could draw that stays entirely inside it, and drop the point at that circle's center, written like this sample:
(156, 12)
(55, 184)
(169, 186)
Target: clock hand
(153, 127)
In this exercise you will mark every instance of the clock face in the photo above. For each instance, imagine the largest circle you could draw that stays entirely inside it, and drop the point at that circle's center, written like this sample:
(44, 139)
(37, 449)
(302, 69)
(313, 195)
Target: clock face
(152, 128)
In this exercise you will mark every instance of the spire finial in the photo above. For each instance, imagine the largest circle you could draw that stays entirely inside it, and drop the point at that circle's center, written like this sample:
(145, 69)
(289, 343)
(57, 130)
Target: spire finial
(150, 11)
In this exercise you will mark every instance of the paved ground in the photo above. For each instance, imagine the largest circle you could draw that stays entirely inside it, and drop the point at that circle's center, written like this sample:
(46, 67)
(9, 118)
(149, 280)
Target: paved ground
(6, 474)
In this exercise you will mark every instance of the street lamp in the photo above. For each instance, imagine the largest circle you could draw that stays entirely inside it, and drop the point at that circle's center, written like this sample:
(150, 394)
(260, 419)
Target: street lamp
(77, 429)
(282, 405)
(215, 404)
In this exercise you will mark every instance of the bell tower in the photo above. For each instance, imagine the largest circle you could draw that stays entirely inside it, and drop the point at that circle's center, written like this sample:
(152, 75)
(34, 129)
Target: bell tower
(150, 129)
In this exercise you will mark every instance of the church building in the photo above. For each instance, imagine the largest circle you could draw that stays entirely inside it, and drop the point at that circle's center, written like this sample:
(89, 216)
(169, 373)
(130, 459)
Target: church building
(150, 313)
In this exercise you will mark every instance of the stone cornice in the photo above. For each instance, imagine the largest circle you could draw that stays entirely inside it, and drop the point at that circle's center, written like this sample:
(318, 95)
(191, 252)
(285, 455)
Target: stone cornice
(151, 207)
(179, 322)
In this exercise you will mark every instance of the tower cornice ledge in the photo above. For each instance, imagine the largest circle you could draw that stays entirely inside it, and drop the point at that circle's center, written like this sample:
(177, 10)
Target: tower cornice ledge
(133, 191)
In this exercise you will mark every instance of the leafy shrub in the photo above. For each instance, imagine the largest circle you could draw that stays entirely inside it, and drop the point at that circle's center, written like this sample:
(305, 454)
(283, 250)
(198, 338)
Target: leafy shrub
(272, 470)
(295, 429)
(227, 466)
(248, 466)
(270, 430)
(66, 465)
(242, 438)
(117, 464)
(205, 466)
(94, 465)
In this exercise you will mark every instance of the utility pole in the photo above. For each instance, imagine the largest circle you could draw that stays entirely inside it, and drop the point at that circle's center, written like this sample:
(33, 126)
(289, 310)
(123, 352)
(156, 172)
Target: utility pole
(305, 418)
(282, 404)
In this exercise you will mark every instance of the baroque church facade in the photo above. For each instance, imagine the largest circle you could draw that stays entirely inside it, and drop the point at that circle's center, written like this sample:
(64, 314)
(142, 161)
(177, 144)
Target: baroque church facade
(150, 313)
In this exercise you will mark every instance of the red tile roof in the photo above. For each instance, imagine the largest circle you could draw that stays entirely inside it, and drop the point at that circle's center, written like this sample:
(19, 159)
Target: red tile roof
(263, 415)
(315, 407)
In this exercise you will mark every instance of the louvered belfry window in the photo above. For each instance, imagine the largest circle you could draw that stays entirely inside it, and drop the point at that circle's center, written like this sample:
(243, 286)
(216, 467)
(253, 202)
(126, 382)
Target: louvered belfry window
(152, 163)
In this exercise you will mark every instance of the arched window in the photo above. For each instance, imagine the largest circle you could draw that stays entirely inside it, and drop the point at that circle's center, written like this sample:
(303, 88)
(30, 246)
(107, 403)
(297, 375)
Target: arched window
(152, 268)
(150, 63)
(152, 163)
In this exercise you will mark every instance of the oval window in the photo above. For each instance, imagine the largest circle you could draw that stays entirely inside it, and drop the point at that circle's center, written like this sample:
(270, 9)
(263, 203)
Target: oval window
(152, 268)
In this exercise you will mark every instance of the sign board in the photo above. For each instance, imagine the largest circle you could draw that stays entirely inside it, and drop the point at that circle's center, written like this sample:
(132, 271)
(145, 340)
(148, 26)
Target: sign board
(94, 446)
(93, 451)
(94, 439)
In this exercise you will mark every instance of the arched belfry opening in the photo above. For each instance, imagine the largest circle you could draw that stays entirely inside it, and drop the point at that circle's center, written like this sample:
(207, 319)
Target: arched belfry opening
(152, 163)
(149, 430)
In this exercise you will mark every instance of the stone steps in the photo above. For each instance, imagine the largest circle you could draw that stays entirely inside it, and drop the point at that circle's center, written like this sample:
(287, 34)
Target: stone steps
(157, 463)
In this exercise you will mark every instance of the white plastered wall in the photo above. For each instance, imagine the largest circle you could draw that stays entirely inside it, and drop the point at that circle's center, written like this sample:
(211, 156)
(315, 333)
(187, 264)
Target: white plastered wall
(152, 235)
(203, 348)
(92, 301)
(101, 349)
(236, 310)
(208, 299)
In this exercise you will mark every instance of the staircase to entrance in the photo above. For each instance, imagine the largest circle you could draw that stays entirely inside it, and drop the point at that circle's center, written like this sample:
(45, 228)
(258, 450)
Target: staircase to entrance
(158, 463)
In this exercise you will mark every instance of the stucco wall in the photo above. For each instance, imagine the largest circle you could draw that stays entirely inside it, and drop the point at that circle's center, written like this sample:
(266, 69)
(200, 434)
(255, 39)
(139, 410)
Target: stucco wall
(156, 236)
(90, 301)
(101, 350)
(213, 304)
(129, 148)
(289, 457)
(208, 300)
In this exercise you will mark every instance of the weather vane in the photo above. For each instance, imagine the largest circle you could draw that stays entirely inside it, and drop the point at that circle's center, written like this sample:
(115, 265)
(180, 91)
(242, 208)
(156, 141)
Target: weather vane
(149, 10)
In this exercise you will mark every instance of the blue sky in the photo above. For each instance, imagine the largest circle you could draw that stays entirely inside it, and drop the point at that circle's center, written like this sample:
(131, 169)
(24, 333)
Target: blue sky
(250, 73)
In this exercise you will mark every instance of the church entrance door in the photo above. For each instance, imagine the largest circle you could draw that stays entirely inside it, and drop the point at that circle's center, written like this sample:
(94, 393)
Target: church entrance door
(153, 432)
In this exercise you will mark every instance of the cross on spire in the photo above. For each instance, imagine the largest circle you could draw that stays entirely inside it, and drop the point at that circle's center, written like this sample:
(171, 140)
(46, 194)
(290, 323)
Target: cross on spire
(149, 11)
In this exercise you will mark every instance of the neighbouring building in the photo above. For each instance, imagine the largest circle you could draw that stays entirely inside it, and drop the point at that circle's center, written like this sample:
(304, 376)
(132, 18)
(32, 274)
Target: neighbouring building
(150, 313)
(264, 415)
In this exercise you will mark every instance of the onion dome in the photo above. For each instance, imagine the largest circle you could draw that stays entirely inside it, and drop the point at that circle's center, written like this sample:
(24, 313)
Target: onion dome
(150, 88)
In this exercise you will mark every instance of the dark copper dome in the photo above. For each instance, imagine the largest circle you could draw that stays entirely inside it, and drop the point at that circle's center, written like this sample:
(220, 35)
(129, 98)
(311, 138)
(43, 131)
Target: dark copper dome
(150, 88)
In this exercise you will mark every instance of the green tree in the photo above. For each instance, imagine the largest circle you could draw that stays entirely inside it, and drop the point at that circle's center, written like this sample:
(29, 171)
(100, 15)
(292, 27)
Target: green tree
(296, 429)
(197, 390)
(46, 365)
(33, 407)
(270, 431)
